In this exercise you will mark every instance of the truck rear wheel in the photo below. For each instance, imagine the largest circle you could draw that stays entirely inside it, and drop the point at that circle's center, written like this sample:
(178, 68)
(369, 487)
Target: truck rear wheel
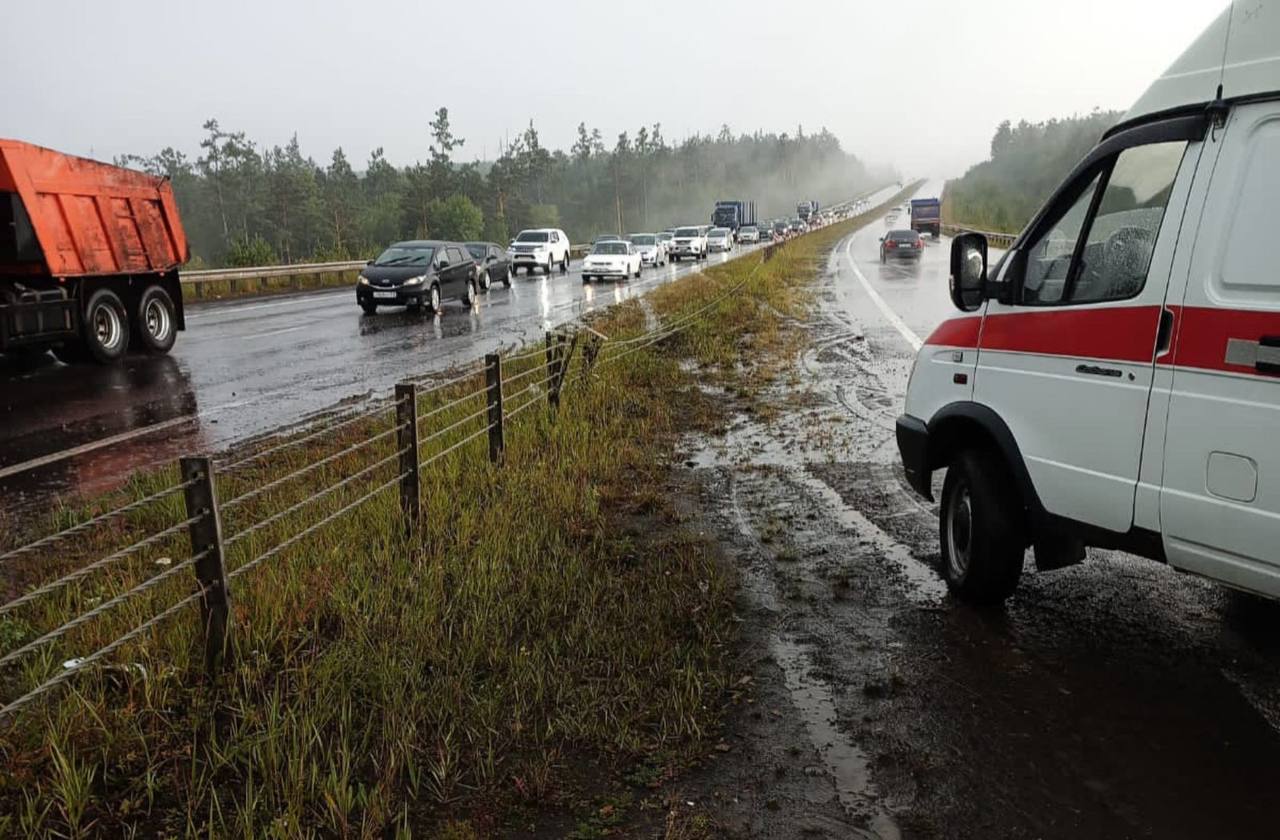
(105, 331)
(154, 321)
(978, 528)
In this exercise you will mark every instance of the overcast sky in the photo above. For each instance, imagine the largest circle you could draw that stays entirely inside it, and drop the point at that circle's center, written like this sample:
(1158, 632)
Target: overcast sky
(920, 85)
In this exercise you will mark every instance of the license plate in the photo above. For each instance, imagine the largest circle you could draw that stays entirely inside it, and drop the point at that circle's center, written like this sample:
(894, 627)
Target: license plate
(385, 295)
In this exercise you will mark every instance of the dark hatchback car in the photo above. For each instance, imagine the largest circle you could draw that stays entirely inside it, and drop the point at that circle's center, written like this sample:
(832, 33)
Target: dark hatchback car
(901, 245)
(492, 264)
(418, 274)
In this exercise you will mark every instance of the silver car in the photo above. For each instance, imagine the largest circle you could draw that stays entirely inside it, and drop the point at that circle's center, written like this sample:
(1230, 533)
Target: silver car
(653, 251)
(719, 239)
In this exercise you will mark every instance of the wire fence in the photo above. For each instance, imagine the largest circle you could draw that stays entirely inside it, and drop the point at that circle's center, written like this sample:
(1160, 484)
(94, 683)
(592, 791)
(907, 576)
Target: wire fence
(302, 493)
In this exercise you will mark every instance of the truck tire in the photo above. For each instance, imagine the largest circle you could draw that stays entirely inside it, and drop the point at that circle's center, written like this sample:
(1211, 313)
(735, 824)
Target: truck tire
(155, 322)
(978, 528)
(105, 331)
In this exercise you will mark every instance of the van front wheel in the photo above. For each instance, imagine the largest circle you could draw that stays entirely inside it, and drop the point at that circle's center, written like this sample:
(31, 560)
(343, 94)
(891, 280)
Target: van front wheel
(980, 528)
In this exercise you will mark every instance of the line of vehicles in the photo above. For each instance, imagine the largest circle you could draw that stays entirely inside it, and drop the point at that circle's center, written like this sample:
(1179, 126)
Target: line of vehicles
(89, 257)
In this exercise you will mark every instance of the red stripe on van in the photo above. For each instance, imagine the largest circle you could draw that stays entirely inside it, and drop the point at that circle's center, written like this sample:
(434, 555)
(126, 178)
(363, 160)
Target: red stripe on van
(1204, 332)
(1116, 333)
(957, 332)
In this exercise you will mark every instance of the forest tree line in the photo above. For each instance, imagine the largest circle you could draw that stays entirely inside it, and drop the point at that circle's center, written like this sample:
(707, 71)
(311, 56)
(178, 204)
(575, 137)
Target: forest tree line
(1028, 161)
(245, 204)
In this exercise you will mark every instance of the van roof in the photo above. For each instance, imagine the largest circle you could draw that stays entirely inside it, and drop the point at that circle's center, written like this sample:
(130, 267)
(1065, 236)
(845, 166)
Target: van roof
(1241, 54)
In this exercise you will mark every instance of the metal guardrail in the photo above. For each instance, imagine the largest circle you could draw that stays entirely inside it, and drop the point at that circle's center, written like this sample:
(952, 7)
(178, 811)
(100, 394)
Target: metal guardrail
(1000, 240)
(215, 275)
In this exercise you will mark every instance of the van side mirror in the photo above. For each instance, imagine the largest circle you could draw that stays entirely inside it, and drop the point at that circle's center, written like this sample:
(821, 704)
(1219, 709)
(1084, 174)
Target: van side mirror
(968, 271)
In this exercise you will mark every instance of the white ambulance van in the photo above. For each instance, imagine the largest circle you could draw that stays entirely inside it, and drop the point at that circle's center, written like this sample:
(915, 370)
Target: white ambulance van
(1114, 380)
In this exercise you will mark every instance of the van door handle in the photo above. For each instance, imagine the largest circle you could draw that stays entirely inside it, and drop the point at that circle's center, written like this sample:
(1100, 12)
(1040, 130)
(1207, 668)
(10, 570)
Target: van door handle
(1262, 355)
(1164, 336)
(1095, 370)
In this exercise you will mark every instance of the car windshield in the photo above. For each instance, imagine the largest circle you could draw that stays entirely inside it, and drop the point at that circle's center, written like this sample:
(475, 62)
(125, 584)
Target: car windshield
(687, 232)
(665, 236)
(478, 250)
(534, 236)
(644, 239)
(750, 229)
(406, 255)
(611, 248)
(718, 234)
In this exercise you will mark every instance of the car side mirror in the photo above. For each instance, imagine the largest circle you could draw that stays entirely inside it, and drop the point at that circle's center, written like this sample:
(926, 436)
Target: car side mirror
(369, 262)
(442, 264)
(968, 284)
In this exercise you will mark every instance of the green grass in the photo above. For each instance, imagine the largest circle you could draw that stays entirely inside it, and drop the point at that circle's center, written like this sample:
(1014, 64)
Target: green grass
(553, 611)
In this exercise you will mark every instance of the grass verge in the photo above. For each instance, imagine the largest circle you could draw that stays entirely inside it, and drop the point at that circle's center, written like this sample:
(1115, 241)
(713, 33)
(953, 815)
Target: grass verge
(553, 624)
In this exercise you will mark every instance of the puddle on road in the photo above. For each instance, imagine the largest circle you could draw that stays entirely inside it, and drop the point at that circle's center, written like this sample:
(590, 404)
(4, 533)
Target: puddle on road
(847, 764)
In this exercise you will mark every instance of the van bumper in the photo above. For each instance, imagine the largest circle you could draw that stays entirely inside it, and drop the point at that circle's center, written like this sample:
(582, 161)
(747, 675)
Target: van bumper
(913, 445)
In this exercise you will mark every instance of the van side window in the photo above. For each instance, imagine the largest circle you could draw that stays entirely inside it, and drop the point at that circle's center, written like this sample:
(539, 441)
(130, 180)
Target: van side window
(1122, 235)
(1049, 257)
(1119, 229)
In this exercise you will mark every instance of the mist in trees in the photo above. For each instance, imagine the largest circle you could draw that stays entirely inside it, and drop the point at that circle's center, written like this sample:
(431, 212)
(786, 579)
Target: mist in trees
(1028, 161)
(246, 204)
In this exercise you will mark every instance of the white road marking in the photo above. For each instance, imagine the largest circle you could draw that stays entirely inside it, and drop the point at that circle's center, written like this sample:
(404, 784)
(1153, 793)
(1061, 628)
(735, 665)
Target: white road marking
(272, 332)
(892, 317)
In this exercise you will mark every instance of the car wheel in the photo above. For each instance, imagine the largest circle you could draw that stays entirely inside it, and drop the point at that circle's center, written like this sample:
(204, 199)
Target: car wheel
(105, 330)
(586, 278)
(369, 307)
(506, 280)
(564, 263)
(638, 271)
(469, 296)
(978, 529)
(485, 281)
(433, 299)
(154, 321)
(550, 263)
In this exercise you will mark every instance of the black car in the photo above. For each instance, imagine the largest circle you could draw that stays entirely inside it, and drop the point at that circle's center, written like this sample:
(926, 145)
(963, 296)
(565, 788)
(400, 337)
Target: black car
(418, 274)
(492, 264)
(902, 245)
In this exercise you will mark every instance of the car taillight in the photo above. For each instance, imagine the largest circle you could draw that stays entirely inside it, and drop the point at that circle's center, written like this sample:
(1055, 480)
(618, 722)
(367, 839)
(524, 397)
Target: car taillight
(919, 243)
(891, 244)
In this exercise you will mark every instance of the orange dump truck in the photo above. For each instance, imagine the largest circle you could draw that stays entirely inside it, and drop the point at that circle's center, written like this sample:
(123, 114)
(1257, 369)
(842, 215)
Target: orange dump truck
(89, 257)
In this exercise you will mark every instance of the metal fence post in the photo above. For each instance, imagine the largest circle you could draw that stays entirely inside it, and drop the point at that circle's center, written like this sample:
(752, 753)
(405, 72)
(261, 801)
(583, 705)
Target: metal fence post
(206, 541)
(493, 383)
(407, 440)
(552, 396)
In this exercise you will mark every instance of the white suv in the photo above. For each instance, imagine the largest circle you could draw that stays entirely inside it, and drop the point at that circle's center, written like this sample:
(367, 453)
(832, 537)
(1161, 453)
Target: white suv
(1115, 379)
(690, 242)
(543, 248)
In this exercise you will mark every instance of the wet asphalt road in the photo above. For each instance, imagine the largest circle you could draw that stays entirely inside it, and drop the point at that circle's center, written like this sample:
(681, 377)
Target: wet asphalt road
(1114, 699)
(243, 368)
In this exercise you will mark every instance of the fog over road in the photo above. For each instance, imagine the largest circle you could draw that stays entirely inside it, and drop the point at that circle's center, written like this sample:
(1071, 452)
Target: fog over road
(251, 366)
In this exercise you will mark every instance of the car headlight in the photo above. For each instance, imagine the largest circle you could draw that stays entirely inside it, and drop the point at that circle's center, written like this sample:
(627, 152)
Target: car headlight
(415, 281)
(364, 281)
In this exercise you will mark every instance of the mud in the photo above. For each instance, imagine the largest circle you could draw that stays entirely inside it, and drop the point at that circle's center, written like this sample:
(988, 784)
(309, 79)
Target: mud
(1112, 699)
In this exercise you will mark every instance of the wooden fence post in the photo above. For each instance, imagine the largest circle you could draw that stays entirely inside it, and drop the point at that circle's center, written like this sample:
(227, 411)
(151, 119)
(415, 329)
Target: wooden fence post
(206, 541)
(493, 383)
(407, 440)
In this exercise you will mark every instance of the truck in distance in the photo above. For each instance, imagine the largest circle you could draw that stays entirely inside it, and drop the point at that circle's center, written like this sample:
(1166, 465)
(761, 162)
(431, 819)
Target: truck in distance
(89, 256)
(926, 216)
(805, 209)
(733, 214)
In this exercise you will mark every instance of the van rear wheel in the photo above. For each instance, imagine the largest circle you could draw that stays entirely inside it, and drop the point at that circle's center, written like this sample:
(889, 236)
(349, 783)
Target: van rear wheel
(980, 528)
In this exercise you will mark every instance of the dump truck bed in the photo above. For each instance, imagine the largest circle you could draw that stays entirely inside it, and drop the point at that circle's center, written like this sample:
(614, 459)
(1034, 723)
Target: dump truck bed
(88, 218)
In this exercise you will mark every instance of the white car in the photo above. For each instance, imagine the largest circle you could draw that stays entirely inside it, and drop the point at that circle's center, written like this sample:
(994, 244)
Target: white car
(614, 258)
(749, 235)
(544, 248)
(689, 243)
(719, 239)
(653, 251)
(1114, 380)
